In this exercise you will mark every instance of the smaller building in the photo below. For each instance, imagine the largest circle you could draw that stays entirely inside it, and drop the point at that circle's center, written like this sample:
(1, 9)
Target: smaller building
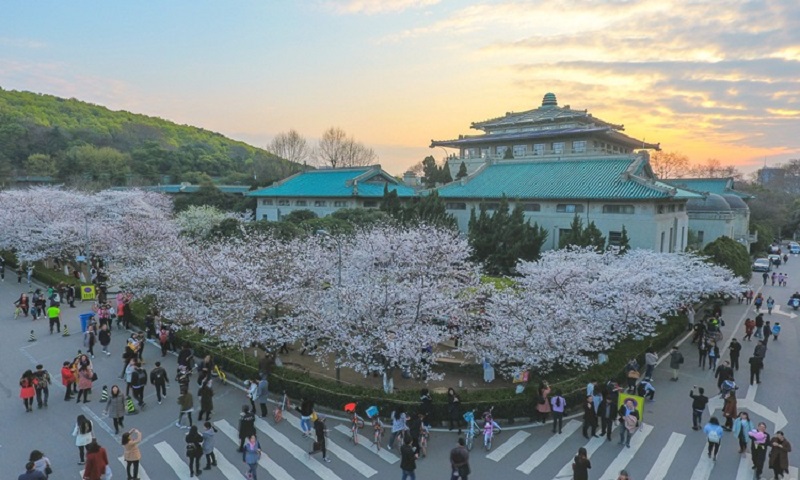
(325, 191)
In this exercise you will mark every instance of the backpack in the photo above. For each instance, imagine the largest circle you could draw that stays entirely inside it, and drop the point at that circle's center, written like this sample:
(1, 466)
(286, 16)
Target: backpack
(713, 436)
(163, 336)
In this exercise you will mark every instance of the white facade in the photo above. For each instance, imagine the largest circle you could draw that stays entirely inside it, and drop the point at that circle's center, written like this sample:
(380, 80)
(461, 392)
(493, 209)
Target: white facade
(274, 209)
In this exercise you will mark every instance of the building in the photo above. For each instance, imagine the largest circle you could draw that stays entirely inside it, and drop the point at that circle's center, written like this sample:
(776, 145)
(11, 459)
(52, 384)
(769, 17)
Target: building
(324, 191)
(610, 190)
(722, 211)
(546, 131)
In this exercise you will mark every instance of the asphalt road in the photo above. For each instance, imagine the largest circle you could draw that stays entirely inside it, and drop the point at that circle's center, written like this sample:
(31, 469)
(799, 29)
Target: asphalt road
(667, 447)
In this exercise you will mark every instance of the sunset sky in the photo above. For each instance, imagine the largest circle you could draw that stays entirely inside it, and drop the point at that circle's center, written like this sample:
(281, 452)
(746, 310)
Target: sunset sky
(709, 79)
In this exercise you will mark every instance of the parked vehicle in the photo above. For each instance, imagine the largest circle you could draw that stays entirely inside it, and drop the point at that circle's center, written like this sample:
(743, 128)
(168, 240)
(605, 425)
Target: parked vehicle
(775, 260)
(762, 265)
(794, 248)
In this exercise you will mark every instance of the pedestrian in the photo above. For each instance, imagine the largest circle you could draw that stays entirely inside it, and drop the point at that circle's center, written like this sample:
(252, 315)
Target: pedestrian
(115, 408)
(759, 325)
(766, 332)
(776, 330)
(132, 455)
(558, 404)
(104, 336)
(650, 360)
(765, 277)
(252, 392)
(779, 454)
(159, 379)
(129, 369)
(459, 461)
(399, 426)
(250, 457)
(749, 327)
(54, 316)
(163, 339)
(208, 445)
(629, 421)
(589, 417)
(770, 304)
(454, 409)
(741, 426)
(41, 463)
(646, 390)
(204, 369)
(139, 381)
(85, 378)
(758, 302)
(607, 413)
(27, 390)
(186, 404)
(262, 395)
(756, 364)
(632, 374)
(90, 339)
(83, 436)
(320, 445)
(408, 460)
(206, 395)
(247, 425)
(194, 450)
(759, 441)
(735, 350)
(675, 361)
(773, 277)
(581, 465)
(722, 373)
(67, 379)
(714, 436)
(31, 473)
(97, 467)
(306, 409)
(702, 350)
(730, 410)
(699, 403)
(543, 401)
(690, 315)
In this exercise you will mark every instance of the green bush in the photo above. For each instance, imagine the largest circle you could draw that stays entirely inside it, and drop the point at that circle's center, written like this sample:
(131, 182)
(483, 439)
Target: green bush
(729, 253)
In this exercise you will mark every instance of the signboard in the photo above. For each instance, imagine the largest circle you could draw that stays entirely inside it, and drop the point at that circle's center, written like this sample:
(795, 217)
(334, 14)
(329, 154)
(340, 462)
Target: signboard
(87, 292)
(522, 377)
(638, 403)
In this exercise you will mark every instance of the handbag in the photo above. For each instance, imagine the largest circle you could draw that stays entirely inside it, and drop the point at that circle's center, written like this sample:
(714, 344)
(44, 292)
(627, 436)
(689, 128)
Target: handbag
(48, 470)
(94, 376)
(108, 474)
(633, 374)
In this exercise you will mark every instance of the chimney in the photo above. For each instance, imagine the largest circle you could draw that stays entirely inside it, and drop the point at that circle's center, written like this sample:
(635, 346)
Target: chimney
(410, 179)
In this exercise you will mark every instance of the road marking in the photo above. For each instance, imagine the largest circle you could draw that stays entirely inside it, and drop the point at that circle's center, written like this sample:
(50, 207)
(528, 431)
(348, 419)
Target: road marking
(142, 473)
(702, 471)
(277, 472)
(509, 445)
(591, 447)
(549, 447)
(626, 454)
(227, 468)
(176, 462)
(99, 421)
(751, 392)
(745, 472)
(300, 454)
(666, 457)
(335, 449)
(365, 442)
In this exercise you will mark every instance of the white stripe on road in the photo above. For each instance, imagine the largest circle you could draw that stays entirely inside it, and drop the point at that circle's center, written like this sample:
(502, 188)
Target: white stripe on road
(227, 468)
(745, 472)
(300, 454)
(176, 462)
(335, 449)
(549, 447)
(142, 473)
(388, 456)
(666, 457)
(509, 445)
(276, 471)
(626, 455)
(591, 447)
(702, 471)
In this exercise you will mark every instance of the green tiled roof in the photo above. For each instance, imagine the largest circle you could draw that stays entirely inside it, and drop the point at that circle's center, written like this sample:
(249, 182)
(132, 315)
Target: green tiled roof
(607, 177)
(177, 188)
(339, 183)
(720, 186)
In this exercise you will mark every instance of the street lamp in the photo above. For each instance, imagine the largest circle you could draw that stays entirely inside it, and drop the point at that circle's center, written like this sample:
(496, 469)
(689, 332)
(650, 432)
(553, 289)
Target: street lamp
(325, 233)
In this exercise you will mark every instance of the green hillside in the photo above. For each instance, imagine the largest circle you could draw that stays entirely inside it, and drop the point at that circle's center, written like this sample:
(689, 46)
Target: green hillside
(78, 142)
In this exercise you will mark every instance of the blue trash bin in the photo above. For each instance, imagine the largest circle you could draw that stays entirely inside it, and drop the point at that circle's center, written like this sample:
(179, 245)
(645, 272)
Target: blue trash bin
(85, 319)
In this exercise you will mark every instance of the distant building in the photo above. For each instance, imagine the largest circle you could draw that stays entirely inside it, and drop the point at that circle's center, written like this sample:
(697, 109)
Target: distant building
(779, 178)
(547, 131)
(324, 191)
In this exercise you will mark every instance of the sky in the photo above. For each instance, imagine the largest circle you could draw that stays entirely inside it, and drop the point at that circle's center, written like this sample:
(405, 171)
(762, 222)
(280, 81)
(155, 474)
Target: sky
(709, 79)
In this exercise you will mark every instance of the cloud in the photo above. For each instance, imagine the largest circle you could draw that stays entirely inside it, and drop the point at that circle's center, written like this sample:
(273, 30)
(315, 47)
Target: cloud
(372, 7)
(23, 43)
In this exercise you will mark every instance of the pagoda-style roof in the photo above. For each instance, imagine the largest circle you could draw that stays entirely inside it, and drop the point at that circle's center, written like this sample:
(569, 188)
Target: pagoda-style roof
(472, 140)
(718, 186)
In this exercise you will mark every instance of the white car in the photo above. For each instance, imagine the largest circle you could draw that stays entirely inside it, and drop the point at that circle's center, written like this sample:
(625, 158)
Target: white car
(794, 247)
(762, 265)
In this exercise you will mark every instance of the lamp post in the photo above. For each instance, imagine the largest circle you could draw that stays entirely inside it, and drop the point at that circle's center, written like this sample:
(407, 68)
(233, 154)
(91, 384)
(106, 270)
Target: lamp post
(325, 233)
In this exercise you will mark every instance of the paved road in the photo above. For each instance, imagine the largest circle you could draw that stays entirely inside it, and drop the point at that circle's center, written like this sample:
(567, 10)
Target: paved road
(667, 448)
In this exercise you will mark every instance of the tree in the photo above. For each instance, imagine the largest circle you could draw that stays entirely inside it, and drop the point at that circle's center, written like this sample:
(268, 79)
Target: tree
(669, 164)
(336, 150)
(434, 174)
(624, 242)
(508, 154)
(462, 171)
(712, 168)
(198, 221)
(299, 216)
(728, 253)
(40, 164)
(593, 237)
(572, 304)
(574, 236)
(290, 145)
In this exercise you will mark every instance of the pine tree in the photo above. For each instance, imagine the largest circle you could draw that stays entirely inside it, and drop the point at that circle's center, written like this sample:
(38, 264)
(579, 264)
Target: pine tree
(575, 235)
(444, 174)
(624, 241)
(462, 171)
(430, 172)
(593, 237)
(509, 155)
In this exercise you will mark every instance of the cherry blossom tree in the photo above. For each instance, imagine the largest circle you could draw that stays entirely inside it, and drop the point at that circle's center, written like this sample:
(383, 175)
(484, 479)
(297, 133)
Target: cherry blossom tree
(381, 299)
(572, 304)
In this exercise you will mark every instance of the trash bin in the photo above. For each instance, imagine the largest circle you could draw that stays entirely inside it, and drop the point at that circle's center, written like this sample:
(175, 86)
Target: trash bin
(85, 319)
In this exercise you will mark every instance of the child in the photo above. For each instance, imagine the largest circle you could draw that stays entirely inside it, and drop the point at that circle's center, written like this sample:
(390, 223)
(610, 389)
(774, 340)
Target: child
(776, 330)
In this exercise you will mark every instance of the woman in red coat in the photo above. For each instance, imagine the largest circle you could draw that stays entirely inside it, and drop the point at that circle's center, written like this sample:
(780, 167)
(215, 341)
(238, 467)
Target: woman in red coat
(96, 462)
(27, 390)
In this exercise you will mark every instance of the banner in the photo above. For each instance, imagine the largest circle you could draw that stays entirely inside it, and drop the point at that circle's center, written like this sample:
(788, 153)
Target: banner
(87, 292)
(522, 377)
(638, 403)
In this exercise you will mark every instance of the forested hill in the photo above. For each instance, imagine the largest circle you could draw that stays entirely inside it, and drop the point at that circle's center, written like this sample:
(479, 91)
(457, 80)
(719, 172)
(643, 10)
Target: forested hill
(78, 142)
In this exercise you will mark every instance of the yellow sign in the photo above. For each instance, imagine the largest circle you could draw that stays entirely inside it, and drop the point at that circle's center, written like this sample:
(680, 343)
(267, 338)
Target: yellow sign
(638, 403)
(87, 292)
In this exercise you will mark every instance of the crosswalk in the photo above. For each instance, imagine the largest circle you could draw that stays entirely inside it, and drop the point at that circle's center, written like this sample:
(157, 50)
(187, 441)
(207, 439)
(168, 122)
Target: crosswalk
(523, 454)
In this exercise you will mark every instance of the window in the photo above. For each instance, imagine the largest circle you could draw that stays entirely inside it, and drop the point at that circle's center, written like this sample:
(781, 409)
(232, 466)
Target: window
(370, 203)
(558, 148)
(339, 203)
(263, 216)
(663, 234)
(569, 208)
(626, 209)
(455, 206)
(671, 208)
(490, 205)
(614, 238)
(531, 207)
(501, 151)
(680, 207)
(300, 203)
(266, 201)
(283, 203)
(520, 150)
(484, 153)
(538, 149)
(471, 153)
(320, 203)
(660, 209)
(579, 146)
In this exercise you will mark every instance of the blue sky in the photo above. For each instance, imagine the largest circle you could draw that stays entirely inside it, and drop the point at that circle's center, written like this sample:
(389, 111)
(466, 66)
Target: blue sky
(715, 79)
